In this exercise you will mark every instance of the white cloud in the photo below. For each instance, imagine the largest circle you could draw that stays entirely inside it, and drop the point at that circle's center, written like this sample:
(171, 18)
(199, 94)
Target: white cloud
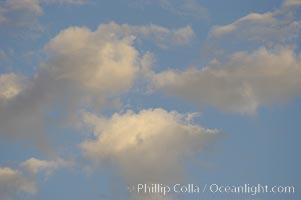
(13, 182)
(36, 166)
(157, 141)
(244, 82)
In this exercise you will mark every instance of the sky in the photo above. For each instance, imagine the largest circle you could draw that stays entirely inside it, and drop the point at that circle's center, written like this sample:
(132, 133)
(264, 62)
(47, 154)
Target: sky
(97, 97)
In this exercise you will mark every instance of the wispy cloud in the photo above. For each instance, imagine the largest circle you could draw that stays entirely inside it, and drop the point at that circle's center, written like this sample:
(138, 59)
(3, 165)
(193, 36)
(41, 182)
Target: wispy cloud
(182, 8)
(279, 27)
(291, 3)
(37, 166)
(23, 15)
(19, 13)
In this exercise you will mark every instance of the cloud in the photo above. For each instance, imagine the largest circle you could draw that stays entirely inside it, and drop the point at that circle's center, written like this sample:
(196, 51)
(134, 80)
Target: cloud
(19, 113)
(26, 11)
(24, 14)
(152, 137)
(100, 64)
(162, 36)
(10, 86)
(253, 18)
(186, 8)
(19, 13)
(90, 64)
(90, 67)
(183, 8)
(20, 116)
(241, 84)
(253, 63)
(85, 69)
(13, 182)
(292, 3)
(36, 166)
(281, 26)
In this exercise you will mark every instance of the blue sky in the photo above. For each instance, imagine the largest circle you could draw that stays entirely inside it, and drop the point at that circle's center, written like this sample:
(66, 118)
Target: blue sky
(96, 96)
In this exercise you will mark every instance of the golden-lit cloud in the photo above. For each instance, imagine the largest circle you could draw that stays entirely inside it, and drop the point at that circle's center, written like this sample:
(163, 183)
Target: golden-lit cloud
(13, 182)
(36, 166)
(252, 62)
(10, 86)
(85, 69)
(246, 81)
(23, 181)
(157, 141)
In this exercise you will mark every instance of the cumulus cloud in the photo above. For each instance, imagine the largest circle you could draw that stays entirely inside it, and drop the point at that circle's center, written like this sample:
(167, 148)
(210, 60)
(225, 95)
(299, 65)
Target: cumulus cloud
(13, 182)
(90, 64)
(157, 141)
(85, 69)
(104, 62)
(36, 166)
(244, 82)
